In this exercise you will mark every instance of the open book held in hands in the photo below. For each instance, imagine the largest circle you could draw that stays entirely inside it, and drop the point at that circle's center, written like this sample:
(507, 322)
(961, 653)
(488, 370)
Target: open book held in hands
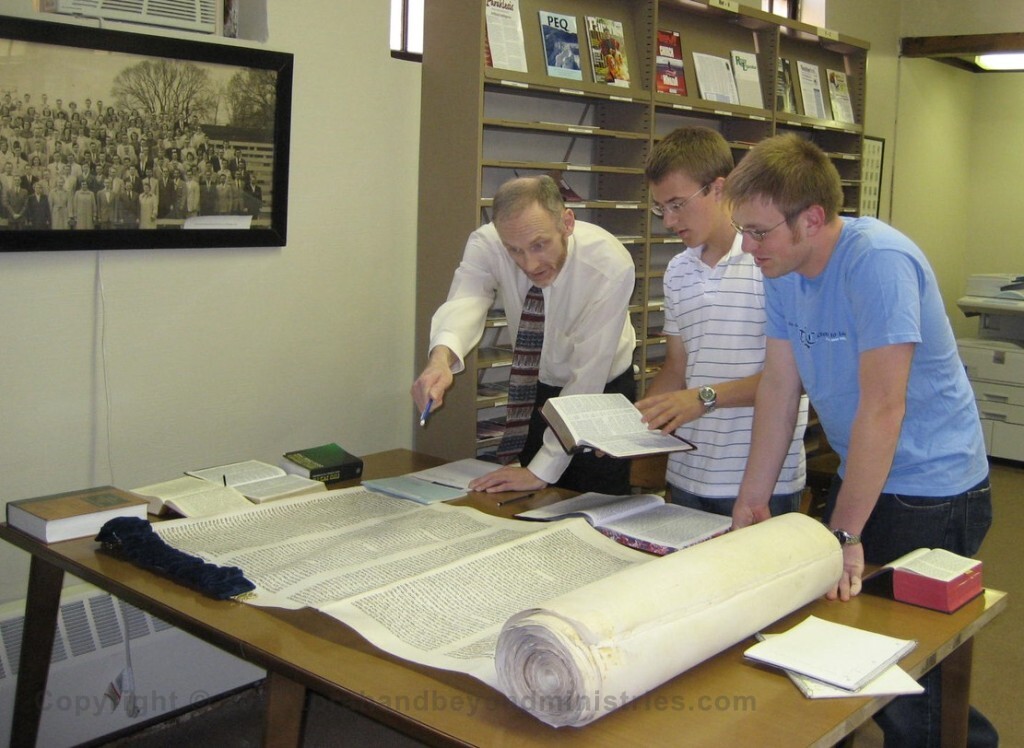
(608, 423)
(644, 521)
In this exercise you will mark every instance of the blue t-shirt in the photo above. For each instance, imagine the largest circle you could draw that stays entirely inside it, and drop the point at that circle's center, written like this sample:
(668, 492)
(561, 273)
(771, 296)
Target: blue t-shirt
(878, 289)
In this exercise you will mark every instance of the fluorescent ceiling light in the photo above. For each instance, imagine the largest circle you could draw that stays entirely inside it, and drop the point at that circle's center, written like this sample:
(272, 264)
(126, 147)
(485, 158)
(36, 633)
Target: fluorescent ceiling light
(1001, 61)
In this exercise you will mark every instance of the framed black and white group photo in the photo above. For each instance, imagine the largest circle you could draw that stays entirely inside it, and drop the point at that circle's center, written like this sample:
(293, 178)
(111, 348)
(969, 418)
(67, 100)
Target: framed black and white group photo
(110, 139)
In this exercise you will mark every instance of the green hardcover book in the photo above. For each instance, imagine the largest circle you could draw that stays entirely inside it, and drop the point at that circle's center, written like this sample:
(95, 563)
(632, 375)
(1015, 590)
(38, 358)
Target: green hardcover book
(327, 463)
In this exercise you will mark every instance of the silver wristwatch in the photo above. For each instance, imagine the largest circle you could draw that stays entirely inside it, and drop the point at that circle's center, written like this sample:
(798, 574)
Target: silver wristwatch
(846, 538)
(708, 398)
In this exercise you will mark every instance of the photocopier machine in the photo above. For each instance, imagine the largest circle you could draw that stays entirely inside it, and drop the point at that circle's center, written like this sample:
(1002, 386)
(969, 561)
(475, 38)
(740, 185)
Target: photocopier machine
(995, 359)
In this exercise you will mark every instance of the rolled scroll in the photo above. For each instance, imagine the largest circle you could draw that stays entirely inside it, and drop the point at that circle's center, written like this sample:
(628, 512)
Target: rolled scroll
(590, 651)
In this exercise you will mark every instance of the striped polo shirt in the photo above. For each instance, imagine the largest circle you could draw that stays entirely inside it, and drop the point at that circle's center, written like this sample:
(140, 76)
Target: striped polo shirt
(719, 314)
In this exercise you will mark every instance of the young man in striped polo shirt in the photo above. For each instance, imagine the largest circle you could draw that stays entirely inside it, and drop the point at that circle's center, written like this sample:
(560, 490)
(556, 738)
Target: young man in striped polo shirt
(714, 328)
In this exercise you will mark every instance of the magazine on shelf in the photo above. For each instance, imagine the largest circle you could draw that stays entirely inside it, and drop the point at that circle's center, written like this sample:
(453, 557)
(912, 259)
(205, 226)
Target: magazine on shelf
(561, 45)
(748, 80)
(504, 32)
(671, 76)
(785, 98)
(839, 96)
(608, 51)
(714, 78)
(810, 90)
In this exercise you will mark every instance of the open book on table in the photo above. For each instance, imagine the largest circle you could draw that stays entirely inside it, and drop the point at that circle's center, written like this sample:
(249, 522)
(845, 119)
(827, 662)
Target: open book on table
(643, 521)
(836, 654)
(930, 577)
(441, 483)
(609, 423)
(224, 488)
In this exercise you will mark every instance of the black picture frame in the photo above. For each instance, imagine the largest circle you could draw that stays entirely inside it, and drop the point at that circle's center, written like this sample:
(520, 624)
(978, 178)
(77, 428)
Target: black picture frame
(254, 86)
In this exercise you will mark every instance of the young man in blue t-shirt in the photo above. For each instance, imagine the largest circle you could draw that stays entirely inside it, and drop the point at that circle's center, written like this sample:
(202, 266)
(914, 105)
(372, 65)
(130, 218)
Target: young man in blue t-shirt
(856, 319)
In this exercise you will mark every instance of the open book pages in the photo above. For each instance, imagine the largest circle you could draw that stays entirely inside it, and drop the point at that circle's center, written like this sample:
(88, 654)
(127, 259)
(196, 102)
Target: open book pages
(840, 655)
(642, 521)
(609, 423)
(192, 497)
(258, 481)
(454, 588)
(935, 563)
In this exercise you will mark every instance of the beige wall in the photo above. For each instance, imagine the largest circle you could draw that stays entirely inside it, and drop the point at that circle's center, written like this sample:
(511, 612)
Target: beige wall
(933, 177)
(206, 356)
(959, 151)
(995, 209)
(953, 148)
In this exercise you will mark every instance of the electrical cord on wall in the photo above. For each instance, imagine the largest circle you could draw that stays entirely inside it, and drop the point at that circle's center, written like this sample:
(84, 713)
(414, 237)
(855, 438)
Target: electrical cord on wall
(101, 312)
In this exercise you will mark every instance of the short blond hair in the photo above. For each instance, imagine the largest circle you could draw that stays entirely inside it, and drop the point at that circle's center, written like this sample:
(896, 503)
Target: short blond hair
(700, 153)
(791, 173)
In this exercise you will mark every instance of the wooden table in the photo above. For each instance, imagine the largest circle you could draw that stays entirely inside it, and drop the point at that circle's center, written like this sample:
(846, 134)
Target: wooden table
(723, 701)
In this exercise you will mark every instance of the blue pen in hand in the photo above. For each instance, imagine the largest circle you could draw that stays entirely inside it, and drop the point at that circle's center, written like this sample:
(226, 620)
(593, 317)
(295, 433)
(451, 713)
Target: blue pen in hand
(426, 412)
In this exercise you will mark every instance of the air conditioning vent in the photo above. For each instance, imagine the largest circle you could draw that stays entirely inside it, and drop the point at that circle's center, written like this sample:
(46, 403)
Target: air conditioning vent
(185, 15)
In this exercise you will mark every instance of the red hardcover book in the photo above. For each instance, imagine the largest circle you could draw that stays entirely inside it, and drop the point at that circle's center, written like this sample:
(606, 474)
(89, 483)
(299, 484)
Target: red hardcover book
(936, 579)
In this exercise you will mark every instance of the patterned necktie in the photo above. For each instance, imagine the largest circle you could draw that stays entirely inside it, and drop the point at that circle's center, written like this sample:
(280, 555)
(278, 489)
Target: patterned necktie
(522, 382)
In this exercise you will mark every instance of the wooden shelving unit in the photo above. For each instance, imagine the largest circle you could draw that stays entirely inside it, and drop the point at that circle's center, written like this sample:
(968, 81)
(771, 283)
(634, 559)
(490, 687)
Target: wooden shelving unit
(481, 126)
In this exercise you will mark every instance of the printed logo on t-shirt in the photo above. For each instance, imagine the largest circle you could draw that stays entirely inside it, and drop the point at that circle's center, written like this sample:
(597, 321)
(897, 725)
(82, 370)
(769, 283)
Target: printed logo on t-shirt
(811, 337)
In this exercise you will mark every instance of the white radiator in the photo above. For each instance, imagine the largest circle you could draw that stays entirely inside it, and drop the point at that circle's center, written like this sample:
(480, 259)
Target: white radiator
(186, 15)
(172, 668)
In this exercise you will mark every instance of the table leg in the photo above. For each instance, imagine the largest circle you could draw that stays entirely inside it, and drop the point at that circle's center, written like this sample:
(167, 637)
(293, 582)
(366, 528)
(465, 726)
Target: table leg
(285, 712)
(956, 695)
(41, 606)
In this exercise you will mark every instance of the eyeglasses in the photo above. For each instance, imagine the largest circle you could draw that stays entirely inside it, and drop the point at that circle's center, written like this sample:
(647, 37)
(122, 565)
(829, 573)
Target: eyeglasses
(757, 235)
(676, 205)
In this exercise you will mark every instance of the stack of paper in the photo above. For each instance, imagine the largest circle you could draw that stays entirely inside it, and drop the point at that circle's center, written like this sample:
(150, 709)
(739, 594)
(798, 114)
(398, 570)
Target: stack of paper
(832, 653)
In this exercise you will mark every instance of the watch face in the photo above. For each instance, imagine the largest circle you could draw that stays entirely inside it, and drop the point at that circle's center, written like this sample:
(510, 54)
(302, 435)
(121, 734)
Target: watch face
(707, 395)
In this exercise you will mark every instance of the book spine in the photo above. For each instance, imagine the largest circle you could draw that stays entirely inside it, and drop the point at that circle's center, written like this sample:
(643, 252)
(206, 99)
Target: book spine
(337, 473)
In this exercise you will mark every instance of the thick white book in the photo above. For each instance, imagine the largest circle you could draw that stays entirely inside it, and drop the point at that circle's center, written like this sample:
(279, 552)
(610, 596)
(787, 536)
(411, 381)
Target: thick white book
(836, 654)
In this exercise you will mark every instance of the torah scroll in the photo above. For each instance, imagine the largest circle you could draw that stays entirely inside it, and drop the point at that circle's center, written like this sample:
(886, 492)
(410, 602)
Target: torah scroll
(592, 650)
